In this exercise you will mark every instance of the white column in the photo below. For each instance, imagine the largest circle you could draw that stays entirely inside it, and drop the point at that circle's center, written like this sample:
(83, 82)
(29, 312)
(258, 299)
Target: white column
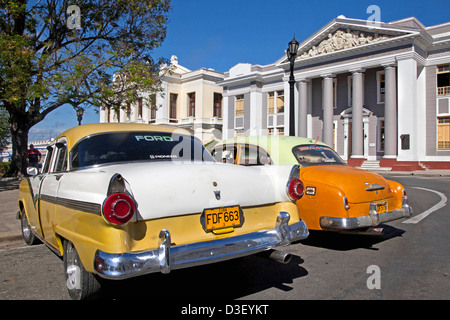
(410, 120)
(309, 109)
(103, 115)
(123, 113)
(357, 115)
(303, 109)
(390, 112)
(421, 114)
(227, 132)
(255, 112)
(327, 105)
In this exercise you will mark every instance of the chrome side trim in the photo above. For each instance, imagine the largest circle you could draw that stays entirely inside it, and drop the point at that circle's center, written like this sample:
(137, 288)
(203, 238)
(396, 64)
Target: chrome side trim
(84, 206)
(166, 258)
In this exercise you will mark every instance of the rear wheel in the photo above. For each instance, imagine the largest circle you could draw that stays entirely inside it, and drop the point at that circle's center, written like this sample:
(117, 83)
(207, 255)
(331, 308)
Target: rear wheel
(82, 285)
(27, 234)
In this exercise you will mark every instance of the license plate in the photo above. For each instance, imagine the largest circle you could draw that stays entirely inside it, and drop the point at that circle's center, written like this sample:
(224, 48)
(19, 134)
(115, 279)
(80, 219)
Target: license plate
(220, 218)
(381, 207)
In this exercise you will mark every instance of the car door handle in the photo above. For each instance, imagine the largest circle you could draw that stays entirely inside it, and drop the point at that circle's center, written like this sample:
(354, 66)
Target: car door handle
(58, 176)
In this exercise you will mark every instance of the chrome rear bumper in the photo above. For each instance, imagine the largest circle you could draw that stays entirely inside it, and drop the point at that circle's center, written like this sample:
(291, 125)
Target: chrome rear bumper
(371, 220)
(167, 258)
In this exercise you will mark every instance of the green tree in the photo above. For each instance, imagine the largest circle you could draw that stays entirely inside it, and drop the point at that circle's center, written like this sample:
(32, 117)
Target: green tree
(4, 129)
(54, 53)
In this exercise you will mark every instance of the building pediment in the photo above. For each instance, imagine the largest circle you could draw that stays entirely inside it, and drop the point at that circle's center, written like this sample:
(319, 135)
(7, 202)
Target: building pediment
(345, 34)
(340, 40)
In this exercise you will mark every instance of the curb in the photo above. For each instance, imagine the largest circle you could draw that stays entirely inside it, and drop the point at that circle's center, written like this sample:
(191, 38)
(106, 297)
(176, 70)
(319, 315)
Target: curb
(11, 236)
(432, 173)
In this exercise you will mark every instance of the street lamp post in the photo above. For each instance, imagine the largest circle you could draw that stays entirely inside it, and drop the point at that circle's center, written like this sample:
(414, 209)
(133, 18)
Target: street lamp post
(80, 112)
(291, 55)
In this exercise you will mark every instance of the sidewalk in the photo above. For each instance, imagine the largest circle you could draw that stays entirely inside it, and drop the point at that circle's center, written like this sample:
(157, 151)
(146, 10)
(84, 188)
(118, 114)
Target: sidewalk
(9, 225)
(425, 173)
(9, 191)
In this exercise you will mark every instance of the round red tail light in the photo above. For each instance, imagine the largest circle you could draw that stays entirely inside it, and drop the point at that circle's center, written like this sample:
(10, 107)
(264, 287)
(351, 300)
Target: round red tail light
(295, 189)
(118, 208)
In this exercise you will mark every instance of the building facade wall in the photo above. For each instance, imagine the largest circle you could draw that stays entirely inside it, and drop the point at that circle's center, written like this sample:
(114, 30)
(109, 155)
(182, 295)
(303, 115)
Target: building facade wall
(183, 84)
(385, 105)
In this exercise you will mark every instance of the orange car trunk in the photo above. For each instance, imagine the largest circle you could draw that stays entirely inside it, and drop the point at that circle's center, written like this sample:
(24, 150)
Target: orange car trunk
(359, 186)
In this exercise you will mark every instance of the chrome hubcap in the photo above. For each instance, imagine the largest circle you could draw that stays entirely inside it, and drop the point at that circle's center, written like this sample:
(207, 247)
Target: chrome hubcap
(26, 229)
(72, 269)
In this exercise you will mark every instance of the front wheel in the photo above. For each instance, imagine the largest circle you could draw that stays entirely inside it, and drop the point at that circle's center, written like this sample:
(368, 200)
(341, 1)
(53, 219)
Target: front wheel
(27, 234)
(82, 285)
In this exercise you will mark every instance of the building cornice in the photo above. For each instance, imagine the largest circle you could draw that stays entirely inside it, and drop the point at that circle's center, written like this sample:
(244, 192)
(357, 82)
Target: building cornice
(192, 77)
(274, 74)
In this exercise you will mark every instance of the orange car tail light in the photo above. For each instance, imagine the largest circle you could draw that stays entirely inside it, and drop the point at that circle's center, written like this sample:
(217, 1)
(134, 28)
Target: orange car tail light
(346, 205)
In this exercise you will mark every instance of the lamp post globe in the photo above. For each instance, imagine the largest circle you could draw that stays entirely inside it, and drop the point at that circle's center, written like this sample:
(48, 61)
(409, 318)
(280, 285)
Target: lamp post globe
(80, 112)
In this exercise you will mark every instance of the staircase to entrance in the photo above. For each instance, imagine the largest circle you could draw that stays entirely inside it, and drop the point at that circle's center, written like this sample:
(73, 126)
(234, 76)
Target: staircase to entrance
(373, 165)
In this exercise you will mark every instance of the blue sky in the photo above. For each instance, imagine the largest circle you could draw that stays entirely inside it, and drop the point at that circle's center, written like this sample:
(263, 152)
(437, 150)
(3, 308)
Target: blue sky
(218, 34)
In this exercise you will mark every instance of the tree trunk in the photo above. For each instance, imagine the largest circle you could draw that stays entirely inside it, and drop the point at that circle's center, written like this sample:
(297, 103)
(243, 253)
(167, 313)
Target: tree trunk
(19, 137)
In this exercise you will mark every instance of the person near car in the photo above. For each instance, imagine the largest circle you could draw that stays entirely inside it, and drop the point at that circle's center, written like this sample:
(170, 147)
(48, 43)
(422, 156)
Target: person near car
(34, 156)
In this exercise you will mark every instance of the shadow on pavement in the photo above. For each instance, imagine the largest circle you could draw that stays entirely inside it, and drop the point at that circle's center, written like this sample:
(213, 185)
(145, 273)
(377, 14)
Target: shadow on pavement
(224, 280)
(9, 184)
(345, 242)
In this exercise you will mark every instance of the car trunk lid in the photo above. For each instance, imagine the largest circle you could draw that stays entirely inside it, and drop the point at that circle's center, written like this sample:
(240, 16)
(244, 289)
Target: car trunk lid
(358, 185)
(165, 189)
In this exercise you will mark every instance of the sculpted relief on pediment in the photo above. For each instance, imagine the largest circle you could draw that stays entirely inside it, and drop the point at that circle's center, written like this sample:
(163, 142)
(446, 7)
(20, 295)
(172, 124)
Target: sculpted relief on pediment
(343, 40)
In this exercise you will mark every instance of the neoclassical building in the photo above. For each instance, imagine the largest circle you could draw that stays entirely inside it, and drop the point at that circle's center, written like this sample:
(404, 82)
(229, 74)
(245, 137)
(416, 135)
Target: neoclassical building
(189, 99)
(378, 93)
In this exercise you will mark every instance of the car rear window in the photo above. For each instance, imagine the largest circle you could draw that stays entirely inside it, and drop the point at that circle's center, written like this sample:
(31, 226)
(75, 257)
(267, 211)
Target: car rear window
(137, 146)
(314, 155)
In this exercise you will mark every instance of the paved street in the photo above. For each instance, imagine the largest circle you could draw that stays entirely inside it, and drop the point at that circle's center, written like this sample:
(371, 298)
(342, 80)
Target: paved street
(410, 261)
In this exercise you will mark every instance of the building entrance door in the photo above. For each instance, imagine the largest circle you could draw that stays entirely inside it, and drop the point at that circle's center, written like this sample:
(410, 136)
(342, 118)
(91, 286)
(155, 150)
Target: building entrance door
(349, 140)
(349, 147)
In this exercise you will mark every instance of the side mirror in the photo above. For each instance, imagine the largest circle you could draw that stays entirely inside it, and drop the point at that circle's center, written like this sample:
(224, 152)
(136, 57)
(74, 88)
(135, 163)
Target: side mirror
(32, 171)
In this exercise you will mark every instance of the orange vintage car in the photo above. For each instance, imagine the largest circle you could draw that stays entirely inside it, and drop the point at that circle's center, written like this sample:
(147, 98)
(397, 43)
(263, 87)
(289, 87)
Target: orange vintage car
(336, 197)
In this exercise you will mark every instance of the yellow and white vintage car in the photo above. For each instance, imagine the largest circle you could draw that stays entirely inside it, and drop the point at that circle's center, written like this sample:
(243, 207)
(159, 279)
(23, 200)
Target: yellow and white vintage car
(122, 200)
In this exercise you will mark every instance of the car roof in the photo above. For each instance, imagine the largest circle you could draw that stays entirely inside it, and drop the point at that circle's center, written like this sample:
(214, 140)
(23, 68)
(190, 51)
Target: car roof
(279, 147)
(75, 134)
